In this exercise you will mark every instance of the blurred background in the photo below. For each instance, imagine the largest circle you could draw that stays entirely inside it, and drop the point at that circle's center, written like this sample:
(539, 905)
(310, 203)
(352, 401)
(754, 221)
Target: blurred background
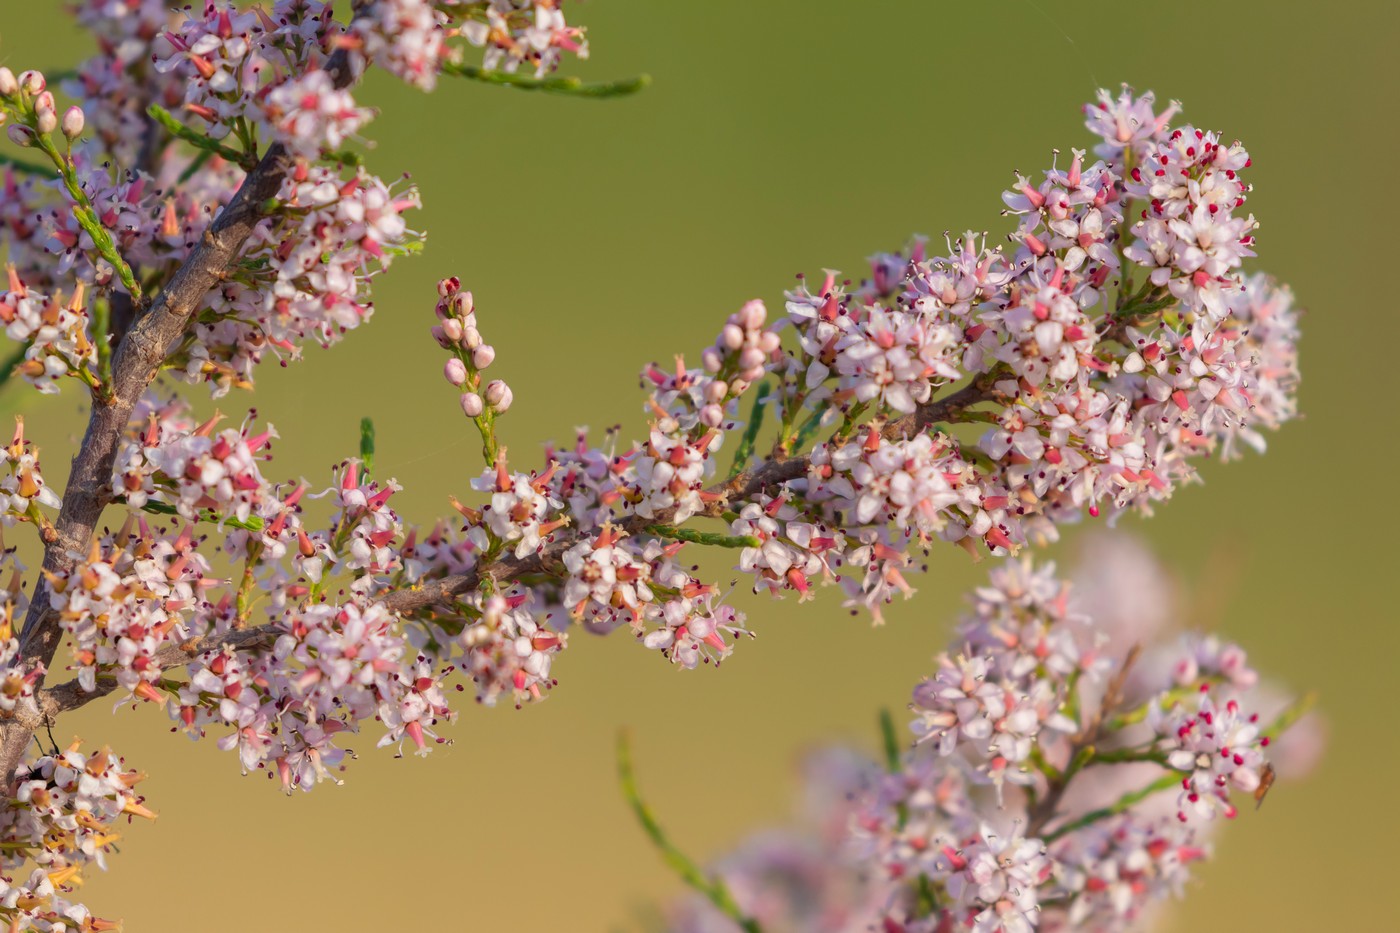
(785, 136)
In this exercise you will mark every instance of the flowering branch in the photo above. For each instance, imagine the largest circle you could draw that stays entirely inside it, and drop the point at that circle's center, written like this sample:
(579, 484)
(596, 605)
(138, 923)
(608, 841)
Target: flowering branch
(210, 213)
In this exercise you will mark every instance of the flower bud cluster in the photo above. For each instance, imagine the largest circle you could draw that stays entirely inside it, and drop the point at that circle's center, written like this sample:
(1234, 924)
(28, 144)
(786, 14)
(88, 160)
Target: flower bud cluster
(456, 331)
(27, 100)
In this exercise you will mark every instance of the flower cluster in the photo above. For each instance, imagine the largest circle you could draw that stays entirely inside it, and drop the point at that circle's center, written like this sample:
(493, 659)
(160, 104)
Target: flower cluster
(304, 275)
(126, 601)
(532, 33)
(1031, 692)
(61, 813)
(195, 469)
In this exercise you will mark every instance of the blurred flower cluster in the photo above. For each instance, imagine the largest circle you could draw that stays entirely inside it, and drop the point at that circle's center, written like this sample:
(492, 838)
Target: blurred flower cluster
(202, 206)
(1071, 756)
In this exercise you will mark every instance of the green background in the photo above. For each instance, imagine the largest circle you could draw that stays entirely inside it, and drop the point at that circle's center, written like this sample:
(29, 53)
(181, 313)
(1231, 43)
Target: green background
(781, 137)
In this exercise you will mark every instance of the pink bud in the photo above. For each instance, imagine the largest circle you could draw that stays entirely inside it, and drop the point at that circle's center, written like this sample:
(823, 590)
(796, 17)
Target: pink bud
(711, 416)
(769, 342)
(471, 338)
(21, 135)
(45, 113)
(751, 315)
(498, 395)
(451, 332)
(711, 359)
(33, 82)
(9, 87)
(465, 305)
(73, 122)
(440, 335)
(455, 371)
(716, 391)
(751, 358)
(483, 356)
(732, 336)
(471, 404)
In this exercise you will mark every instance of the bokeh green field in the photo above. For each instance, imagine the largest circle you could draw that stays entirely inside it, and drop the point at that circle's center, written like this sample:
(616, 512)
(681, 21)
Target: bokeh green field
(783, 136)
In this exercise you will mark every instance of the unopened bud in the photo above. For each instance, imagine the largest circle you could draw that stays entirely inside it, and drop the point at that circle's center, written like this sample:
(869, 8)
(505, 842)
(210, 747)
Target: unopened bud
(455, 371)
(483, 356)
(498, 395)
(732, 336)
(45, 113)
(440, 335)
(465, 305)
(73, 122)
(471, 338)
(471, 404)
(451, 332)
(33, 82)
(751, 358)
(711, 416)
(711, 359)
(9, 87)
(751, 315)
(716, 391)
(21, 135)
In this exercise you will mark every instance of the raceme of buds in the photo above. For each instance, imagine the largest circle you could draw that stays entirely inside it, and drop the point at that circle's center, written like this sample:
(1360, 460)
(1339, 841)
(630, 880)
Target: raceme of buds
(1116, 342)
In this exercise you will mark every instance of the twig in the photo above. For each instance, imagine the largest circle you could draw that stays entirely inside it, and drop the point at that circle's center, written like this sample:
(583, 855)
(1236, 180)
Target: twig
(1164, 782)
(1291, 714)
(27, 168)
(713, 889)
(367, 445)
(699, 537)
(177, 129)
(573, 87)
(744, 451)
